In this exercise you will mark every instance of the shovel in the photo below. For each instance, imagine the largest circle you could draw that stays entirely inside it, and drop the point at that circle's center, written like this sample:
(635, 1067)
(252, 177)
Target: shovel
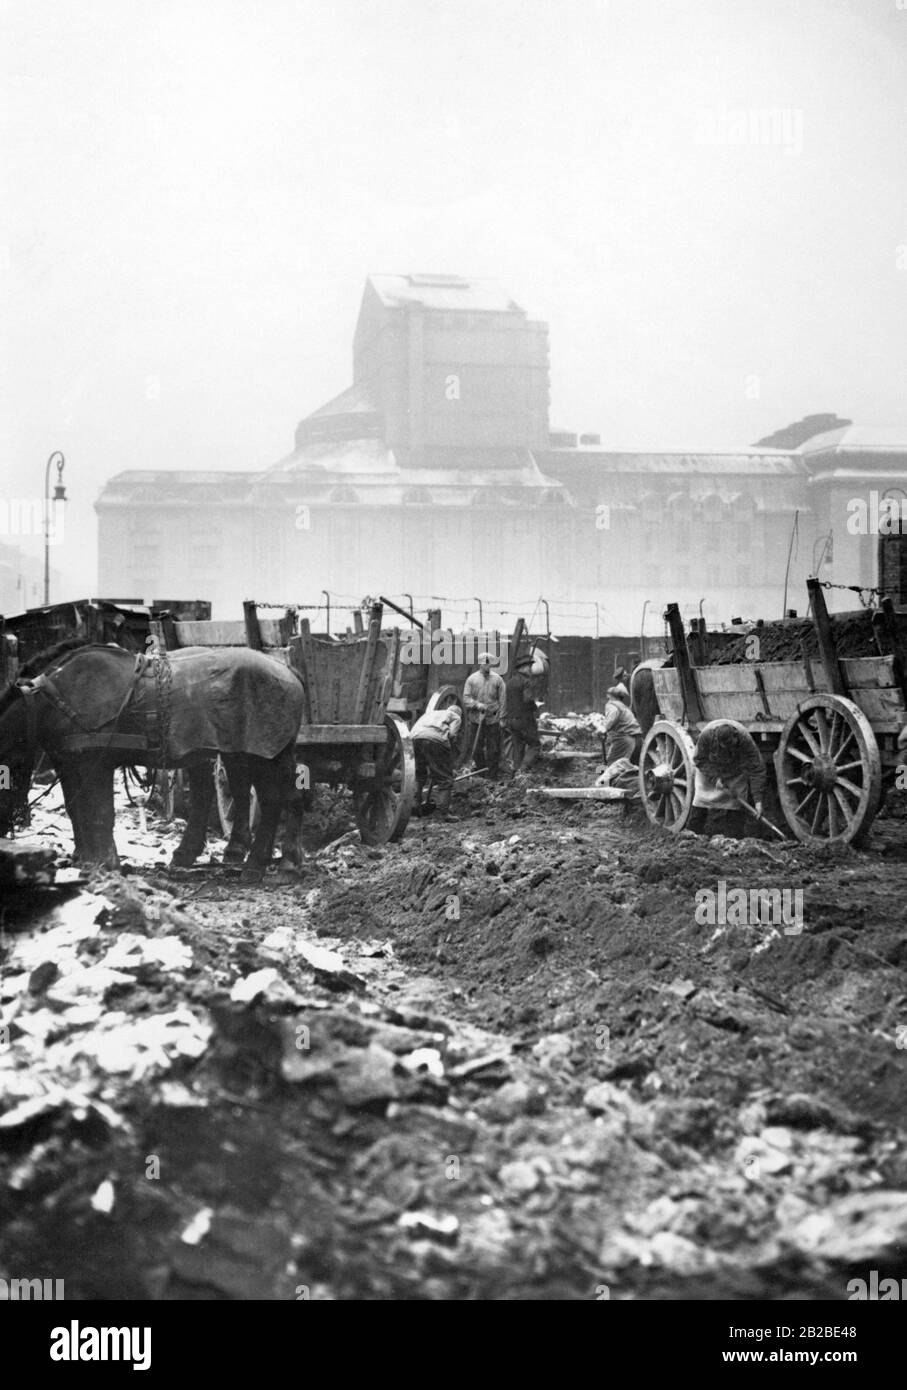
(475, 742)
(753, 812)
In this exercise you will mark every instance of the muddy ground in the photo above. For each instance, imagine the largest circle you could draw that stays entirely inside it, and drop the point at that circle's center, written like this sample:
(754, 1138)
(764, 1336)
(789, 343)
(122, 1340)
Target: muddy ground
(501, 1059)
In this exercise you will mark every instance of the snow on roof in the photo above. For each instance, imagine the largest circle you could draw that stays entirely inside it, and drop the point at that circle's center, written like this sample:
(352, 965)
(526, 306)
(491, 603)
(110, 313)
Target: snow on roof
(858, 439)
(451, 292)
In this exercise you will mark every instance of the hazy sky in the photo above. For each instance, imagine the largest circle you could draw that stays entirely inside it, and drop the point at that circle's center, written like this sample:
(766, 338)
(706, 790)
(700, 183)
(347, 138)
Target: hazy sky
(195, 190)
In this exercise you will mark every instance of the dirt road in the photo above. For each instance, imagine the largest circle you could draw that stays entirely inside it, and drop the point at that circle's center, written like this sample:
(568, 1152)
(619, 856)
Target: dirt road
(541, 1053)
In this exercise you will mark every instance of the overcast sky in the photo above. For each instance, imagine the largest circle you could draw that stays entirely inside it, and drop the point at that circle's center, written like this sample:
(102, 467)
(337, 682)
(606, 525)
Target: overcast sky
(195, 190)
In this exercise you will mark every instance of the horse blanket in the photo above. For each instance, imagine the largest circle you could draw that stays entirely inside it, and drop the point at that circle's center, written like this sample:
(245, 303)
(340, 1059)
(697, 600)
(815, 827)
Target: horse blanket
(228, 700)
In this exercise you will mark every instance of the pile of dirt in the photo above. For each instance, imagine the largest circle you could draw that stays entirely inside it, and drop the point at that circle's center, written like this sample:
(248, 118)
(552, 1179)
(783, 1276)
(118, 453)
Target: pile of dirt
(565, 919)
(852, 632)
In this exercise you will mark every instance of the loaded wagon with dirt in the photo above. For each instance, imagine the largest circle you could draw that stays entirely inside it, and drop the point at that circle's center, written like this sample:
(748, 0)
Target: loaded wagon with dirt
(826, 724)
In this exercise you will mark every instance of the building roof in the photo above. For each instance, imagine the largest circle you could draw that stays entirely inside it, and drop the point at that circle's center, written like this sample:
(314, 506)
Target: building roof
(367, 471)
(177, 487)
(858, 439)
(355, 400)
(450, 292)
(592, 460)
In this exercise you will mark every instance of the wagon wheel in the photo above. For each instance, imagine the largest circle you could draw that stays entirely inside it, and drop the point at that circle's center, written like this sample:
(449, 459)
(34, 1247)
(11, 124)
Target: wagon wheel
(383, 803)
(448, 697)
(225, 801)
(666, 775)
(829, 771)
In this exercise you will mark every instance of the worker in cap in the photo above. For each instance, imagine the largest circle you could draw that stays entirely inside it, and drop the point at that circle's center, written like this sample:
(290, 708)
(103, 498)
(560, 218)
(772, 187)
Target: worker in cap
(728, 766)
(621, 684)
(522, 744)
(483, 699)
(434, 742)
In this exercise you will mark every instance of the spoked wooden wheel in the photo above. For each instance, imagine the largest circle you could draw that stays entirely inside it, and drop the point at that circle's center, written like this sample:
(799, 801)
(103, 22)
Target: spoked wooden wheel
(225, 801)
(666, 775)
(448, 697)
(829, 771)
(384, 802)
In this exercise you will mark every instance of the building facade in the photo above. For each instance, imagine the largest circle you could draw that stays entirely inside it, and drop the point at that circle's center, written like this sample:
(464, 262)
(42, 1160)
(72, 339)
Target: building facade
(434, 478)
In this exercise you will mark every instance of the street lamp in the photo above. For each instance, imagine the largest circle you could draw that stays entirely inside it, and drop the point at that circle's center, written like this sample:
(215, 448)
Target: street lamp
(59, 496)
(642, 631)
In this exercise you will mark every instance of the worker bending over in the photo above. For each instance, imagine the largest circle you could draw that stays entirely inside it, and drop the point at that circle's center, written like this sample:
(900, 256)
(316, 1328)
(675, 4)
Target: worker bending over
(483, 696)
(433, 738)
(621, 734)
(728, 766)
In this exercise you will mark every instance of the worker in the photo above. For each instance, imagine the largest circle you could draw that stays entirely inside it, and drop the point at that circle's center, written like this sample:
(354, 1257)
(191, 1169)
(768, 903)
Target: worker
(621, 734)
(483, 697)
(728, 766)
(433, 738)
(620, 684)
(522, 744)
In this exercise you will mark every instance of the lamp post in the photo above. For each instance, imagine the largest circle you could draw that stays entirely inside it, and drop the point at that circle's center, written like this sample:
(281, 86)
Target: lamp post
(642, 631)
(59, 496)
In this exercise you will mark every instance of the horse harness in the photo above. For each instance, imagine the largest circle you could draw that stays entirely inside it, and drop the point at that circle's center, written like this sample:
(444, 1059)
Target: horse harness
(153, 738)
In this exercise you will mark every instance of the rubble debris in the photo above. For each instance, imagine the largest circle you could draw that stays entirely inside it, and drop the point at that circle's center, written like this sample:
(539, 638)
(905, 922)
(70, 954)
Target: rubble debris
(103, 1199)
(476, 1117)
(198, 1227)
(25, 863)
(443, 1229)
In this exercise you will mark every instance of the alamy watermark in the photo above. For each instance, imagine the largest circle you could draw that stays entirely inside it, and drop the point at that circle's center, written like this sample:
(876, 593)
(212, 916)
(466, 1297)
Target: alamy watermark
(750, 907)
(781, 126)
(27, 1290)
(877, 515)
(876, 1290)
(443, 648)
(25, 516)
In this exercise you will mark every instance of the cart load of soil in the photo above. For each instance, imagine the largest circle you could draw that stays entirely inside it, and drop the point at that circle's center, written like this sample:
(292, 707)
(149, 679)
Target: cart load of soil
(786, 641)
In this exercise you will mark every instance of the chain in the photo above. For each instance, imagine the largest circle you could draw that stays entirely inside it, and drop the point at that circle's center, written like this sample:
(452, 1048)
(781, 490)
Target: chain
(260, 603)
(163, 676)
(858, 590)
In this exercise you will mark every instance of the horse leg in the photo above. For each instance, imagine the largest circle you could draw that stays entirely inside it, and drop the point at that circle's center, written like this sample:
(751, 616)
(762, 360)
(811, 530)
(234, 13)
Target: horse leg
(70, 785)
(95, 816)
(290, 847)
(240, 781)
(201, 790)
(270, 785)
(294, 799)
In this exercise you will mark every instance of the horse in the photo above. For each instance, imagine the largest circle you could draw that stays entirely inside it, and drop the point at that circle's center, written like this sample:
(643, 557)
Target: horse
(92, 708)
(643, 700)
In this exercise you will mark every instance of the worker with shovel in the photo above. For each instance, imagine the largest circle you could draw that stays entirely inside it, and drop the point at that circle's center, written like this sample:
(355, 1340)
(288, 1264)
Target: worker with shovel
(730, 779)
(483, 697)
(433, 739)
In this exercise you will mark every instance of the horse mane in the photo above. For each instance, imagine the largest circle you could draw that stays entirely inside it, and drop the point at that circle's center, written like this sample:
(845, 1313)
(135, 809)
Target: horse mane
(41, 660)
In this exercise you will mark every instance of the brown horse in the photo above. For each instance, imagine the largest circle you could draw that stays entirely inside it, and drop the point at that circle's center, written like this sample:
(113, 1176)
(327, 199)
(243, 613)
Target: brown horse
(93, 708)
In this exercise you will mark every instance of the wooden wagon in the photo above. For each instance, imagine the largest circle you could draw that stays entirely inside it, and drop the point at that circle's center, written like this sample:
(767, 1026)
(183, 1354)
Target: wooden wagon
(827, 729)
(348, 737)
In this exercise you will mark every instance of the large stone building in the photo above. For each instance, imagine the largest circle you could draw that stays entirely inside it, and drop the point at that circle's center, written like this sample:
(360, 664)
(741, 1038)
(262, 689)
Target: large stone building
(435, 476)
